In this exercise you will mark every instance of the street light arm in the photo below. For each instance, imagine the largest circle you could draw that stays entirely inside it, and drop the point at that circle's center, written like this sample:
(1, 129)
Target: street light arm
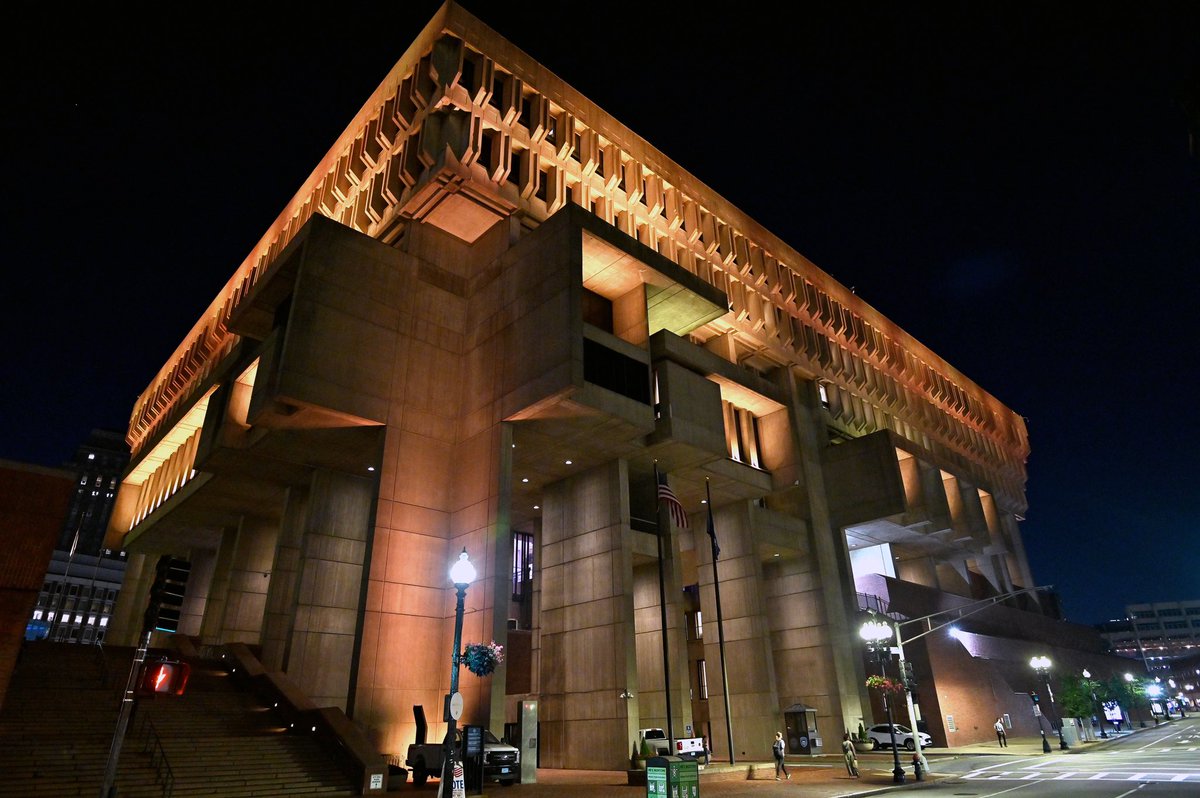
(960, 613)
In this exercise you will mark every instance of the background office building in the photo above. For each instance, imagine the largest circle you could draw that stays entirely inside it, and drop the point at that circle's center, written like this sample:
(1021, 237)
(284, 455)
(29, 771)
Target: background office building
(483, 322)
(83, 577)
(1155, 633)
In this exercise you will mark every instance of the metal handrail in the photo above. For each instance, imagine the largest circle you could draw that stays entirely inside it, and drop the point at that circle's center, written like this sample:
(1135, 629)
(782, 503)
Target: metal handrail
(158, 756)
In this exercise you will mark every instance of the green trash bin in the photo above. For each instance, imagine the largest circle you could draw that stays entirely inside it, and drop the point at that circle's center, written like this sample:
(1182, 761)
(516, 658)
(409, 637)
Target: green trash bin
(672, 777)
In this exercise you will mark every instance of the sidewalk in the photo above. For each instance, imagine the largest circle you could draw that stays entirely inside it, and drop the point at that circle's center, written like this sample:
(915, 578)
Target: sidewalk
(822, 776)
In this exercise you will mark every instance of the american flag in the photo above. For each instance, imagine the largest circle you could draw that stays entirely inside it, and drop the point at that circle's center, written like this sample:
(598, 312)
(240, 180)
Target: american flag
(665, 494)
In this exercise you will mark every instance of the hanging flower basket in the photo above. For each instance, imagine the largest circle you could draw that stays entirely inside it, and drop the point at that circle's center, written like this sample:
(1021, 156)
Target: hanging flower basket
(482, 658)
(884, 684)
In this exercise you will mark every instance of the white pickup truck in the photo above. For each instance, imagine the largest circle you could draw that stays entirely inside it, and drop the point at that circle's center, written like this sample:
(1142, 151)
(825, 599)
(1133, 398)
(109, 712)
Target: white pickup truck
(656, 740)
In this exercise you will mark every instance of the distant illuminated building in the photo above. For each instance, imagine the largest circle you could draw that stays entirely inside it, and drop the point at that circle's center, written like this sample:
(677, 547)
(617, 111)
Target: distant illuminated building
(1155, 633)
(76, 601)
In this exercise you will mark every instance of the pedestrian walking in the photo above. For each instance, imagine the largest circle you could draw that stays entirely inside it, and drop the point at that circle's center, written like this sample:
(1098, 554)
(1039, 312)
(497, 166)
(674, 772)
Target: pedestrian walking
(850, 755)
(1001, 736)
(779, 749)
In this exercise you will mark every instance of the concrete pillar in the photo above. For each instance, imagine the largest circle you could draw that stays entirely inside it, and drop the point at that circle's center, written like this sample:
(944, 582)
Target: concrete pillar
(588, 651)
(336, 527)
(126, 624)
(249, 577)
(195, 599)
(212, 625)
(750, 664)
(285, 582)
(833, 576)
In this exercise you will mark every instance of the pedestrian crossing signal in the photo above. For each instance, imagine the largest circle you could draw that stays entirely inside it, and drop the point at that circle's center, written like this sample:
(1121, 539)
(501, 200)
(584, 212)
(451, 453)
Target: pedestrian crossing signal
(163, 677)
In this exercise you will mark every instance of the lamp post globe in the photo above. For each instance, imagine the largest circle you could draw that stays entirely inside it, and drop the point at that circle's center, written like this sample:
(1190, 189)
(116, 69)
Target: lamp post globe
(878, 635)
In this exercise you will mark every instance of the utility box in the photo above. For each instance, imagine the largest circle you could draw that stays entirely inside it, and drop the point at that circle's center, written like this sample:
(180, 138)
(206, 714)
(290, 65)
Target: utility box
(672, 777)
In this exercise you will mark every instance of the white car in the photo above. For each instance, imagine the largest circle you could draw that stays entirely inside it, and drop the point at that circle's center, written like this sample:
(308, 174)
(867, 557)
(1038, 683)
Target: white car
(879, 737)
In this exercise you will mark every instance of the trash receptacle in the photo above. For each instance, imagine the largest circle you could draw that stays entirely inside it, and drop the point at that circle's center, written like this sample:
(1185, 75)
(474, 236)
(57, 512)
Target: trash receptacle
(673, 777)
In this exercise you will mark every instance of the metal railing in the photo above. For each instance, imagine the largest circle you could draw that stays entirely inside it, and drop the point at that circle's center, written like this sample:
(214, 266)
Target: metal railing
(152, 745)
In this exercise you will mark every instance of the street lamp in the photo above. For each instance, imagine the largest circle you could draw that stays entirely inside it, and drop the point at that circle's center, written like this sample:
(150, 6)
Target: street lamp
(462, 573)
(1141, 722)
(1099, 704)
(1155, 691)
(878, 636)
(1042, 666)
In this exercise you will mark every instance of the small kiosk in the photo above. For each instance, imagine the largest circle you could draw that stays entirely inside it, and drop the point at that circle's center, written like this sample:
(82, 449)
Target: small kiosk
(802, 735)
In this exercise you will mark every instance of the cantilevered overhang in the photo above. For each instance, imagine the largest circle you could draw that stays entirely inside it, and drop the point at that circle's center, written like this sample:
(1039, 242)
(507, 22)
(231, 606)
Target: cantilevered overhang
(615, 264)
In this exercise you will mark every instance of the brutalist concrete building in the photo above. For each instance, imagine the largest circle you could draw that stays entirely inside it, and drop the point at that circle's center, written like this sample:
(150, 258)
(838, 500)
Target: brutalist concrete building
(486, 319)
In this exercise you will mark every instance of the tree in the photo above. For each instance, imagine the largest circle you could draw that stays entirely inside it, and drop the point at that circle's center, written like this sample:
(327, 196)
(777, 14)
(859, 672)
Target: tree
(1075, 697)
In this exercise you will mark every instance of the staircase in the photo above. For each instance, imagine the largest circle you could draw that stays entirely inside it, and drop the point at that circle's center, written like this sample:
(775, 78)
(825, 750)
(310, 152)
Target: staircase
(217, 741)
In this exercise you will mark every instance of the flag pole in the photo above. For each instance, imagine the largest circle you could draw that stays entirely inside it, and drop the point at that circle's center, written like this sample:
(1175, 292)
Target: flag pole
(664, 516)
(716, 551)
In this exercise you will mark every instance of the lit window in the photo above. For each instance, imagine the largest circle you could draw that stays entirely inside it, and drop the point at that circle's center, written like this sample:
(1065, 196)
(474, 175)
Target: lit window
(92, 620)
(83, 480)
(50, 616)
(699, 630)
(91, 457)
(103, 622)
(37, 615)
(702, 679)
(78, 619)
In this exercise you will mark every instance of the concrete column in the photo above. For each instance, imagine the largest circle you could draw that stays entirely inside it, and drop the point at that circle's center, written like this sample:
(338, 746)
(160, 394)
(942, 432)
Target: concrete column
(212, 625)
(249, 577)
(587, 647)
(754, 699)
(329, 599)
(648, 614)
(126, 624)
(833, 575)
(195, 599)
(284, 583)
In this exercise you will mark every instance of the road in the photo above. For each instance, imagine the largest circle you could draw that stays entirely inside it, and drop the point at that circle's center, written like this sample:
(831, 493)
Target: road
(1156, 763)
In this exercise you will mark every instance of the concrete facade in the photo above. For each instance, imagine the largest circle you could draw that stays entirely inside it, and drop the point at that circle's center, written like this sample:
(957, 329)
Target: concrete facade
(491, 314)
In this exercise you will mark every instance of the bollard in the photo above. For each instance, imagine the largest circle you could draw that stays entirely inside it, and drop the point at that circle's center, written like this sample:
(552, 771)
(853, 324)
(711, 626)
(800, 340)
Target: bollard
(917, 772)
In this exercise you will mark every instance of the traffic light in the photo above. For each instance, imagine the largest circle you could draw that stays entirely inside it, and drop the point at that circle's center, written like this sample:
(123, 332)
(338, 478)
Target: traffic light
(910, 680)
(163, 677)
(166, 594)
(1034, 697)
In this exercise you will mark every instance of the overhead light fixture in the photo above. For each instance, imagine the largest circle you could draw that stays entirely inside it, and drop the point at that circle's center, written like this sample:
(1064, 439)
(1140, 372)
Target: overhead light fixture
(526, 479)
(568, 462)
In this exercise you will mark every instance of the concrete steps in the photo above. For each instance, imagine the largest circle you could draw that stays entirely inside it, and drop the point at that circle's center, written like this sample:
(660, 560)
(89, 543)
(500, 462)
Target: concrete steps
(57, 724)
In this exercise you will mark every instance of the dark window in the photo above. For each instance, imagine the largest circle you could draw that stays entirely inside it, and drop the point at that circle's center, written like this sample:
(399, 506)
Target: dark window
(597, 311)
(616, 372)
(497, 91)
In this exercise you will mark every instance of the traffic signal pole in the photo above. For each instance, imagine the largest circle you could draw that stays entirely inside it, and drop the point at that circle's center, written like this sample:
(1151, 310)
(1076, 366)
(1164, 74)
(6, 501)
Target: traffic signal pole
(162, 613)
(128, 702)
(956, 613)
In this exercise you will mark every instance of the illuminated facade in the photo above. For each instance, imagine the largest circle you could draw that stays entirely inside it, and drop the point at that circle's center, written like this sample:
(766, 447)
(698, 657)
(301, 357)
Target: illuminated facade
(481, 322)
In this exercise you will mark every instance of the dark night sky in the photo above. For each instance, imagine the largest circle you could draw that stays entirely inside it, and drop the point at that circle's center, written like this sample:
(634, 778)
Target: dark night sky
(1010, 184)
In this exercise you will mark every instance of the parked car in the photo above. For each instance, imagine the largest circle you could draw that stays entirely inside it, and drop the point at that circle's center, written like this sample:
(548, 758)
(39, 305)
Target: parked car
(879, 737)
